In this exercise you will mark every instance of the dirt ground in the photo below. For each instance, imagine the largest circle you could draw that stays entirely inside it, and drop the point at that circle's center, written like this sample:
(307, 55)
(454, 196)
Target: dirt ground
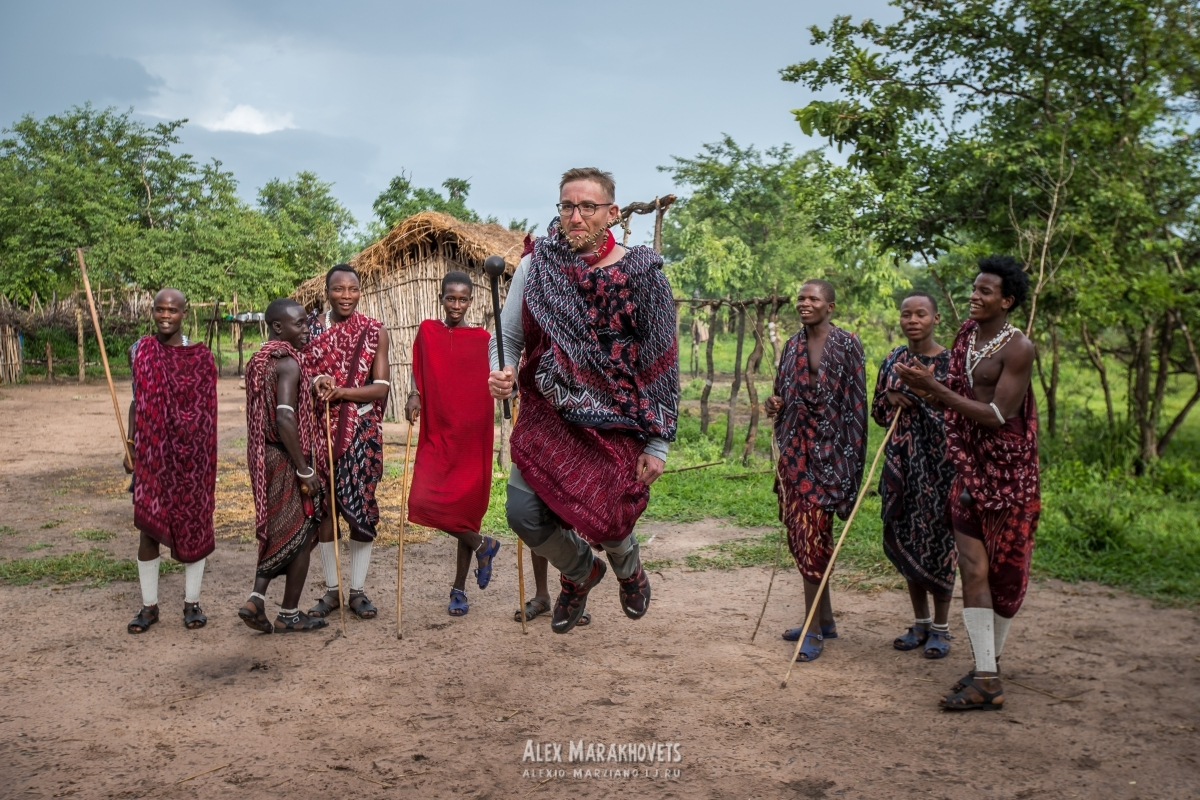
(1111, 709)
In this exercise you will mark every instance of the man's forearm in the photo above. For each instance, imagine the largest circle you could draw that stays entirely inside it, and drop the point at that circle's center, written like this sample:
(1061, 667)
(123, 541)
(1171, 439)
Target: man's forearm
(981, 413)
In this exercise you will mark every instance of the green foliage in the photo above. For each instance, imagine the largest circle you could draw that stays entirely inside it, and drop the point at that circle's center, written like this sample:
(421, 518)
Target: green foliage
(1062, 132)
(95, 566)
(311, 223)
(401, 199)
(146, 215)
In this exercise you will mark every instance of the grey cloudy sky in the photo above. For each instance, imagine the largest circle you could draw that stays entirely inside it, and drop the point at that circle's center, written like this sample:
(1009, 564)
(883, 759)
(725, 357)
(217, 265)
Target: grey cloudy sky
(507, 95)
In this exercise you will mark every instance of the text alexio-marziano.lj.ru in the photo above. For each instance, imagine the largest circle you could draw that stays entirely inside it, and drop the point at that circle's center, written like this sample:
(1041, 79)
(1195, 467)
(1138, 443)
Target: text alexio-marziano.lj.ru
(596, 758)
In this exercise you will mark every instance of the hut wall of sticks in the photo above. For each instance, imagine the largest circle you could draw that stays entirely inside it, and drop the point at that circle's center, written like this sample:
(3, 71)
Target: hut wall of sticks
(401, 278)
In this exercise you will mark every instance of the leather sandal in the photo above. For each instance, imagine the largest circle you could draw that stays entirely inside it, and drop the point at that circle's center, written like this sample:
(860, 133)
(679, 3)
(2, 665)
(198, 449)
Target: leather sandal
(147, 616)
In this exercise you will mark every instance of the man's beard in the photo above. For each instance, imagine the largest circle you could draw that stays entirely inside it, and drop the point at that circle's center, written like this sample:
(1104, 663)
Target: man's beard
(587, 243)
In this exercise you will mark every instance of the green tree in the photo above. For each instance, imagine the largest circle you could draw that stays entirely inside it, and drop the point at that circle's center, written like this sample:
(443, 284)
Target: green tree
(401, 200)
(312, 224)
(147, 215)
(1061, 130)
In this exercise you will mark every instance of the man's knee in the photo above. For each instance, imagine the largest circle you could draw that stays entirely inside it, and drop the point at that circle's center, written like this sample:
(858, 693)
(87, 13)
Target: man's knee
(529, 517)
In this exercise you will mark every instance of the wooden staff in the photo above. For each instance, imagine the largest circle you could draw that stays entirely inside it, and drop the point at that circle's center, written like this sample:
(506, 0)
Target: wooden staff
(782, 536)
(829, 569)
(87, 287)
(337, 559)
(400, 552)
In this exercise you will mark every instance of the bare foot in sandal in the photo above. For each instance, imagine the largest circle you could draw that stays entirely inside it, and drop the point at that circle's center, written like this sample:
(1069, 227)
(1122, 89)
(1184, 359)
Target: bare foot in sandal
(254, 614)
(982, 691)
(144, 619)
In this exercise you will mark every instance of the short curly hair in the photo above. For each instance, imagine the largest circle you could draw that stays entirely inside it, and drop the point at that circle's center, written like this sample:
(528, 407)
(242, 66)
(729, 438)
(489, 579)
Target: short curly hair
(1014, 282)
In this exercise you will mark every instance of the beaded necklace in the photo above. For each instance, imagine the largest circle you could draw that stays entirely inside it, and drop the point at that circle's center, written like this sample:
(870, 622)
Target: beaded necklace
(990, 349)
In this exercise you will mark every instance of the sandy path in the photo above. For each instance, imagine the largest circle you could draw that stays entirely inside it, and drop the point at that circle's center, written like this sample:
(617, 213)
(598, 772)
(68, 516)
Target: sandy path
(90, 711)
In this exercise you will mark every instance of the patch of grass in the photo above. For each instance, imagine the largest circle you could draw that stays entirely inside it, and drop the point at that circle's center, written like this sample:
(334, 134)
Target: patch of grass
(95, 566)
(29, 548)
(54, 523)
(95, 535)
(7, 530)
(658, 563)
(1119, 530)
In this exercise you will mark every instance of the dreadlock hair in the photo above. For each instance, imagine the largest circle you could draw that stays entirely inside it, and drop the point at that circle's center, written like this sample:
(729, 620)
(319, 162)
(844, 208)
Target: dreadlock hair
(1014, 282)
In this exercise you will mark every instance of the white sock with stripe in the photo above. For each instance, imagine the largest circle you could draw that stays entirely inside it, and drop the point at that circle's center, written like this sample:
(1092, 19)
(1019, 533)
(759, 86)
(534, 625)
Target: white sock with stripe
(978, 622)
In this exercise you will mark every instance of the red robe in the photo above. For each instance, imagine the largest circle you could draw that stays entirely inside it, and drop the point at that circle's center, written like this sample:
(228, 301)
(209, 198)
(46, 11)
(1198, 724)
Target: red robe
(452, 477)
(175, 447)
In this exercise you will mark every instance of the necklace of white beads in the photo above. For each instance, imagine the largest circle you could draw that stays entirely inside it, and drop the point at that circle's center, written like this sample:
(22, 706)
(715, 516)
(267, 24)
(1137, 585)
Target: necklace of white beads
(990, 349)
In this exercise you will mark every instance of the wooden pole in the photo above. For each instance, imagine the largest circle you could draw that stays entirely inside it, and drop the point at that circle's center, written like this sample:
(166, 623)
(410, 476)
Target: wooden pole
(862, 491)
(79, 343)
(87, 287)
(779, 546)
(400, 552)
(709, 376)
(49, 362)
(333, 513)
(727, 450)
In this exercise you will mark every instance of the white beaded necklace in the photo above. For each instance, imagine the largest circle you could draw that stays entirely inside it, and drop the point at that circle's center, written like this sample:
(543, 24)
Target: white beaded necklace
(990, 349)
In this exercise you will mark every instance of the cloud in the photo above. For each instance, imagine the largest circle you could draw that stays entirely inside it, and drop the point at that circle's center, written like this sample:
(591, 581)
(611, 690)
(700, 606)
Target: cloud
(248, 119)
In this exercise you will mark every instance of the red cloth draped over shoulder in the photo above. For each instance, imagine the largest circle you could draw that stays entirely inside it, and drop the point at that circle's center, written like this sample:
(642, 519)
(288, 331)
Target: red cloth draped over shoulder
(999, 468)
(587, 476)
(261, 399)
(345, 352)
(452, 477)
(175, 472)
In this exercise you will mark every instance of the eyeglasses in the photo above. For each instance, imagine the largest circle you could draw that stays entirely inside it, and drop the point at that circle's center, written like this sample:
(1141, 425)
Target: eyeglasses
(567, 210)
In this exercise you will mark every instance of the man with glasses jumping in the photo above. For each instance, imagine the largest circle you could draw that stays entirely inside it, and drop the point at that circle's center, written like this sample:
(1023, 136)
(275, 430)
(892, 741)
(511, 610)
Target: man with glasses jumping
(599, 391)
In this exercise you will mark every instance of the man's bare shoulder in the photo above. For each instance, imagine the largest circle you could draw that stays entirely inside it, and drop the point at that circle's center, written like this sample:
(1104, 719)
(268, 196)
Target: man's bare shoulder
(1020, 351)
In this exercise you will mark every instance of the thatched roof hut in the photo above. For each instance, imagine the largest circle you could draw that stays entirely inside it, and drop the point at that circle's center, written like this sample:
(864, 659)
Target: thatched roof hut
(401, 276)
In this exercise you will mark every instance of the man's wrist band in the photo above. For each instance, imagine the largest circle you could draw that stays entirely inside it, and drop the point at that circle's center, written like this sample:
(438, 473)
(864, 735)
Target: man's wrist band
(999, 416)
(311, 472)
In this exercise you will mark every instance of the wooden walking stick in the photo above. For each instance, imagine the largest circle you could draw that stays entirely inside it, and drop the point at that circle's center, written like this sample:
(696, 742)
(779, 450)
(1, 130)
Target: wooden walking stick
(87, 287)
(829, 569)
(782, 536)
(337, 559)
(400, 552)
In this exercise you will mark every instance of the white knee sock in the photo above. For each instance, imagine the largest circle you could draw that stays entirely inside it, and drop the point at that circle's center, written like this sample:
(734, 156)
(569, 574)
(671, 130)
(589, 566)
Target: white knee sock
(193, 574)
(1000, 626)
(329, 564)
(148, 576)
(978, 622)
(360, 559)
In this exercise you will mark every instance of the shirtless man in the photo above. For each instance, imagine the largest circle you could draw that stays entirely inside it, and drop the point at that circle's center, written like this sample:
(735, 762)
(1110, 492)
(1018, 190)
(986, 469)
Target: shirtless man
(991, 435)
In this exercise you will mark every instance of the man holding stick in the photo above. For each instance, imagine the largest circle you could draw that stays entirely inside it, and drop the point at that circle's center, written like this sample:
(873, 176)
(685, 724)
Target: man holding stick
(283, 445)
(995, 500)
(599, 394)
(173, 438)
(917, 474)
(348, 352)
(820, 411)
